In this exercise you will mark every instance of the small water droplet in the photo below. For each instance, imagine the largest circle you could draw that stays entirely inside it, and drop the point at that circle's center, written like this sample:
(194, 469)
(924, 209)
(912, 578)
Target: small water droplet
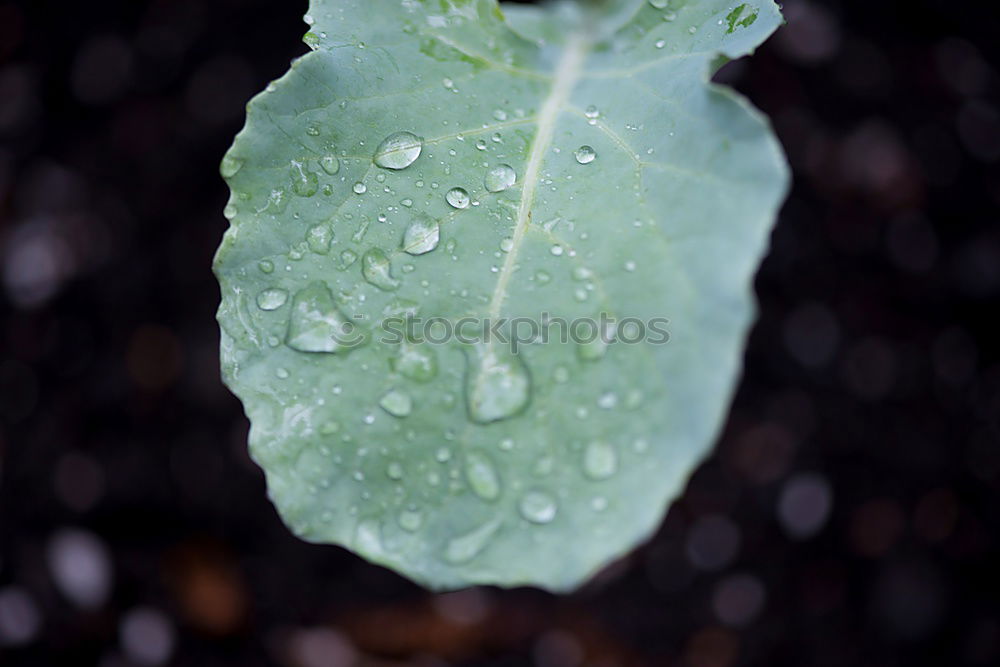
(272, 299)
(330, 164)
(397, 403)
(360, 188)
(592, 112)
(543, 277)
(556, 250)
(659, 4)
(317, 325)
(660, 43)
(585, 155)
(398, 151)
(482, 475)
(394, 470)
(265, 266)
(507, 244)
(600, 460)
(458, 198)
(500, 115)
(377, 270)
(348, 257)
(499, 178)
(538, 507)
(498, 385)
(282, 373)
(422, 235)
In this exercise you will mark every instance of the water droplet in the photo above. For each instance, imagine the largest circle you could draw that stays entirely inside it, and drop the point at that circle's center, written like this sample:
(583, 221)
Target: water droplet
(500, 115)
(398, 151)
(465, 547)
(481, 144)
(659, 4)
(582, 273)
(543, 277)
(507, 244)
(265, 266)
(482, 475)
(416, 362)
(585, 155)
(394, 470)
(360, 188)
(556, 250)
(599, 504)
(497, 386)
(282, 373)
(330, 164)
(458, 198)
(607, 401)
(305, 183)
(499, 178)
(319, 239)
(600, 460)
(348, 257)
(592, 112)
(272, 299)
(422, 235)
(410, 520)
(368, 537)
(442, 455)
(537, 507)
(317, 325)
(376, 269)
(230, 166)
(397, 403)
(660, 43)
(312, 130)
(230, 211)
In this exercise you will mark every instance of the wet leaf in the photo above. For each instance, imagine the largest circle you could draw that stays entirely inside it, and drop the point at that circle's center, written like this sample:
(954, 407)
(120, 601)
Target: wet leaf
(450, 159)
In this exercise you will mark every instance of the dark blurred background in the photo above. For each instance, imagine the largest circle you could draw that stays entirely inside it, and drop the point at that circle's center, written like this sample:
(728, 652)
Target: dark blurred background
(849, 517)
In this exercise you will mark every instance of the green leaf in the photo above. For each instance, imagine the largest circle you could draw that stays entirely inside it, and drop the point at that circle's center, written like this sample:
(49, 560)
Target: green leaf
(430, 159)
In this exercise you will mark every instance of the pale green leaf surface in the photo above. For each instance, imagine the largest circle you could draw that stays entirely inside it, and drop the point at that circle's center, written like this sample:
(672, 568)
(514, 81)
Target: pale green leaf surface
(414, 457)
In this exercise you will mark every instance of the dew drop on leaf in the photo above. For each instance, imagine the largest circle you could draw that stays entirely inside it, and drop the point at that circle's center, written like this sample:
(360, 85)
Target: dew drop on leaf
(465, 547)
(585, 155)
(499, 178)
(422, 235)
(317, 325)
(537, 507)
(600, 460)
(376, 269)
(230, 166)
(398, 151)
(659, 4)
(265, 266)
(397, 403)
(360, 188)
(498, 385)
(410, 520)
(305, 182)
(319, 239)
(330, 164)
(415, 361)
(272, 299)
(458, 198)
(482, 475)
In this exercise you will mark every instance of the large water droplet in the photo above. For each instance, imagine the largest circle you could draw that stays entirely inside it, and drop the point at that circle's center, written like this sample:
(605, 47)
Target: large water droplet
(305, 182)
(422, 235)
(415, 361)
(600, 460)
(498, 385)
(464, 548)
(499, 178)
(376, 269)
(537, 507)
(230, 166)
(272, 299)
(585, 154)
(319, 239)
(482, 476)
(458, 198)
(317, 325)
(398, 151)
(397, 403)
